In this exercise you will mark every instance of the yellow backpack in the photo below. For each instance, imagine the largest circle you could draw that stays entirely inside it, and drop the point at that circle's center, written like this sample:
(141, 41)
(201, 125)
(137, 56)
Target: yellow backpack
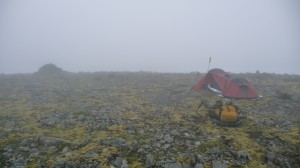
(226, 113)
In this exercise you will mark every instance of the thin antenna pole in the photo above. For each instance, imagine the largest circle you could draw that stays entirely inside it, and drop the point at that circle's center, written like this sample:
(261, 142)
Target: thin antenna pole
(209, 64)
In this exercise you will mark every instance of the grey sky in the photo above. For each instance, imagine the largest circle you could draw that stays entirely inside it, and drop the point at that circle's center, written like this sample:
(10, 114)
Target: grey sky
(156, 35)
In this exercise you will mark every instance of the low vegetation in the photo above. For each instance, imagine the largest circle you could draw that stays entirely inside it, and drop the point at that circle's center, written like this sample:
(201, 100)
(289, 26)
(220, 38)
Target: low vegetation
(141, 119)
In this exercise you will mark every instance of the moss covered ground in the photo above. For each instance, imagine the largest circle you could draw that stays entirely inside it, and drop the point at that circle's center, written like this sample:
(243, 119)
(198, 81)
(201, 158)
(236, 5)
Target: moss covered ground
(137, 106)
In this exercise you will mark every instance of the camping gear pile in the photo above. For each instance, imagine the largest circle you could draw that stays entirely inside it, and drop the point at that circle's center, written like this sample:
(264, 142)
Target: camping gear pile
(224, 85)
(223, 114)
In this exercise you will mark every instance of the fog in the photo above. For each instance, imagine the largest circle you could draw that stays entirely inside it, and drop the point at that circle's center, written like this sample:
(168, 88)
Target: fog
(159, 36)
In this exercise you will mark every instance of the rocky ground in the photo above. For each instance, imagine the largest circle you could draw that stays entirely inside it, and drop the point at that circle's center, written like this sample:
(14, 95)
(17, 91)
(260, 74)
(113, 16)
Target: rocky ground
(141, 119)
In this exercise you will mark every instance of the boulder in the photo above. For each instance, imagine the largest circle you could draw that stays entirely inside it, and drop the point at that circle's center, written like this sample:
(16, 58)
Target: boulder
(49, 69)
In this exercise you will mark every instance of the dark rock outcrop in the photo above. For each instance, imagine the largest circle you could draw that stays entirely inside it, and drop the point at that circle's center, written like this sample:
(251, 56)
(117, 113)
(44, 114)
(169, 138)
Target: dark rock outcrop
(49, 69)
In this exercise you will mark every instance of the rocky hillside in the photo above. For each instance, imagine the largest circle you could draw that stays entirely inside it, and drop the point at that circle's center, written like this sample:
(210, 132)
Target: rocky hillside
(122, 119)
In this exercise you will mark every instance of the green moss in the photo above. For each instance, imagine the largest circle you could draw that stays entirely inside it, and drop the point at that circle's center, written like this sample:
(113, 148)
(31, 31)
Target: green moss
(33, 163)
(208, 145)
(255, 164)
(255, 132)
(292, 136)
(78, 94)
(136, 164)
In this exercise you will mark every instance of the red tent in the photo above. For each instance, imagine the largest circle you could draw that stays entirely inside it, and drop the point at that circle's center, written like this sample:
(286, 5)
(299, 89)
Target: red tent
(223, 84)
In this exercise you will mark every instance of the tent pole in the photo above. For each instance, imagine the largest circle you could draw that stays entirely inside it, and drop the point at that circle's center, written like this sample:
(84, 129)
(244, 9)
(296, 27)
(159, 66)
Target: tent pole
(209, 64)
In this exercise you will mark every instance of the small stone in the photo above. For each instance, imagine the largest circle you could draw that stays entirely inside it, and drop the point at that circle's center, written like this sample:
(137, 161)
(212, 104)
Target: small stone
(166, 146)
(26, 142)
(115, 142)
(243, 156)
(68, 154)
(186, 135)
(168, 138)
(34, 151)
(65, 149)
(191, 156)
(91, 154)
(149, 161)
(215, 151)
(117, 162)
(174, 165)
(157, 145)
(131, 132)
(19, 162)
(141, 131)
(81, 118)
(8, 149)
(197, 143)
(270, 156)
(49, 122)
(146, 146)
(51, 141)
(61, 162)
(24, 149)
(2, 135)
(69, 165)
(218, 164)
(184, 165)
(52, 149)
(198, 165)
(159, 136)
(200, 158)
(174, 133)
(162, 141)
(140, 150)
(124, 164)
